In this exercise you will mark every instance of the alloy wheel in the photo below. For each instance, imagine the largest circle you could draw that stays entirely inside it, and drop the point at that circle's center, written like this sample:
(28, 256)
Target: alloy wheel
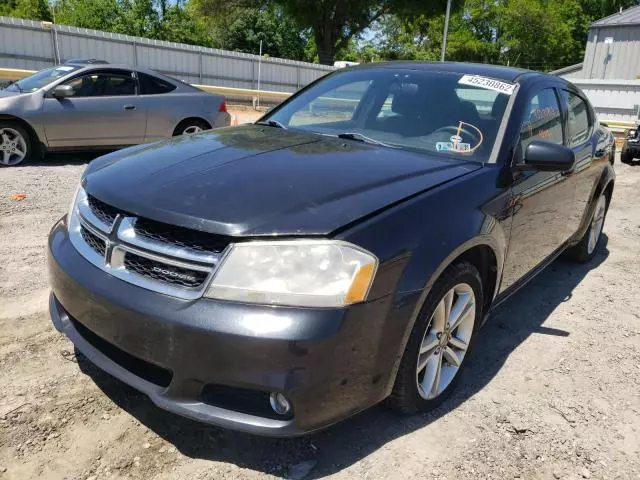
(446, 341)
(191, 129)
(13, 147)
(596, 224)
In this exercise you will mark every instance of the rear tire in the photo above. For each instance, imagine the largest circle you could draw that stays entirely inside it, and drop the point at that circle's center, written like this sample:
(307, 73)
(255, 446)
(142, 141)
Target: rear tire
(15, 144)
(588, 245)
(191, 126)
(414, 391)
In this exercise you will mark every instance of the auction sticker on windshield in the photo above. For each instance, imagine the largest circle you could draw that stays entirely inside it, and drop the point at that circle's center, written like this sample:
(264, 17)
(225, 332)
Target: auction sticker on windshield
(489, 83)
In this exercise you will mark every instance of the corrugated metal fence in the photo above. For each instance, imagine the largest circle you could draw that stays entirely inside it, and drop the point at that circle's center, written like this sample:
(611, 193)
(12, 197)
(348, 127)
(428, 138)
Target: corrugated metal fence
(617, 100)
(33, 45)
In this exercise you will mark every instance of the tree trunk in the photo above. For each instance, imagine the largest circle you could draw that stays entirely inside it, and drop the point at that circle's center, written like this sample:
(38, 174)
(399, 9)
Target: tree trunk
(326, 46)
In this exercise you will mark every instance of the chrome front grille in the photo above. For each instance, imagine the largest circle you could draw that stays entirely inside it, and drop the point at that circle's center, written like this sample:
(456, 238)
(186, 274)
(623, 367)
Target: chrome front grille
(164, 258)
(106, 213)
(179, 236)
(94, 241)
(183, 277)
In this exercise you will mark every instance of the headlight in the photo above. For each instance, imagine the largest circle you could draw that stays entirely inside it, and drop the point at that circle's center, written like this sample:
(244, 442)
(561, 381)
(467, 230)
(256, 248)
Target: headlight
(632, 133)
(308, 273)
(72, 215)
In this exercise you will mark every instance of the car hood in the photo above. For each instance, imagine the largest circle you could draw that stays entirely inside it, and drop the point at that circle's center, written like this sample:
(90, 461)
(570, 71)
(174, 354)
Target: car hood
(254, 180)
(10, 93)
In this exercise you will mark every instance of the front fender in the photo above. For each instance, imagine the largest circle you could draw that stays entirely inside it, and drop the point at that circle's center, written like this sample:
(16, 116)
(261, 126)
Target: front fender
(418, 239)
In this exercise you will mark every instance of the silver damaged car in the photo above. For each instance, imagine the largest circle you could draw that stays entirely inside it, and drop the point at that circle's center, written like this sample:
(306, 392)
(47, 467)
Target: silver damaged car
(98, 106)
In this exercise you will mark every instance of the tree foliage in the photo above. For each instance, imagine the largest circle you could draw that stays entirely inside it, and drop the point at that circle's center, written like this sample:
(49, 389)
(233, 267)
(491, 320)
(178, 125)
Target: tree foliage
(537, 34)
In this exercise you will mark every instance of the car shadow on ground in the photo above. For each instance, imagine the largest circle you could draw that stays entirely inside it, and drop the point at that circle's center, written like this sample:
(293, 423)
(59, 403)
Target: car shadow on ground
(65, 158)
(340, 446)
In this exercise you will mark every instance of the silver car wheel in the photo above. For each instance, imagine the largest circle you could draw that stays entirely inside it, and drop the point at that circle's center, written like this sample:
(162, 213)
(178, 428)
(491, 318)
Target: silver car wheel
(13, 147)
(191, 129)
(596, 224)
(446, 341)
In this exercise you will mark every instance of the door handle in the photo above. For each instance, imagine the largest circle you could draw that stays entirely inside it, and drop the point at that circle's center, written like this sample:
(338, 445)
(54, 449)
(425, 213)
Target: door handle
(129, 107)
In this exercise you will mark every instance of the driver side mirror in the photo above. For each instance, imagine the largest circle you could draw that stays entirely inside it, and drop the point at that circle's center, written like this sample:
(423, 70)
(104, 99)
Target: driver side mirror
(548, 157)
(63, 91)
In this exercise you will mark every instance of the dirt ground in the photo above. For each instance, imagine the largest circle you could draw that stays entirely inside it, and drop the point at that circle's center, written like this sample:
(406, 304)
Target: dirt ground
(552, 390)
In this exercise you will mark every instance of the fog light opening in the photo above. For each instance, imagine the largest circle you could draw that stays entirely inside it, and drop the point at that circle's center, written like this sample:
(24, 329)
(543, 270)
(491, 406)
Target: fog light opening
(279, 403)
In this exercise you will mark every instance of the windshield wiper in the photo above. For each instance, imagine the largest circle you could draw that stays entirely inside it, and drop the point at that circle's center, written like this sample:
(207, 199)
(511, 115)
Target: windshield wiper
(359, 137)
(272, 123)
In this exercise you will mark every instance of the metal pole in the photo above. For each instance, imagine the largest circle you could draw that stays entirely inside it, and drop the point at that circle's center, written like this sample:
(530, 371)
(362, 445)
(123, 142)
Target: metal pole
(259, 71)
(446, 30)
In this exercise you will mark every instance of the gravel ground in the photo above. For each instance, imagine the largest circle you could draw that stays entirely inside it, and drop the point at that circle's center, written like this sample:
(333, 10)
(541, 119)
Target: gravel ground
(551, 392)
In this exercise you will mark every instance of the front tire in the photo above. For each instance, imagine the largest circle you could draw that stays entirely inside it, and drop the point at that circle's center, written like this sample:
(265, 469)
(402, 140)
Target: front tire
(440, 341)
(586, 249)
(15, 144)
(626, 157)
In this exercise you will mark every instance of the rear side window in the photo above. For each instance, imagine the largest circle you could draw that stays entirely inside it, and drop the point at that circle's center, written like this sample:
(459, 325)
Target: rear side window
(579, 122)
(542, 119)
(150, 85)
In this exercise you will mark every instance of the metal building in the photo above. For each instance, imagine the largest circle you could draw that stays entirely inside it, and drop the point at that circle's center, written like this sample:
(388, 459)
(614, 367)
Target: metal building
(613, 47)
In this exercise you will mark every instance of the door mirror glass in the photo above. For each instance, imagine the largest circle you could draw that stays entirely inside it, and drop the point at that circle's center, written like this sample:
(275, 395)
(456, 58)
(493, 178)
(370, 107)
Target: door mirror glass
(548, 157)
(63, 91)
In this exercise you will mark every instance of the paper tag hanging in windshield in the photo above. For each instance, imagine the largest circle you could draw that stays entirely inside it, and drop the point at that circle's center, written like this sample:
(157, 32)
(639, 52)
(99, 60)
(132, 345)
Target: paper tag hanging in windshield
(488, 83)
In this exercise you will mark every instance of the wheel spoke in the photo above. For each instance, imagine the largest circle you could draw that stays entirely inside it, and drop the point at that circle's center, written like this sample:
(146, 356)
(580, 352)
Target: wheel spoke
(5, 157)
(429, 343)
(430, 367)
(448, 302)
(463, 316)
(458, 344)
(451, 357)
(439, 318)
(459, 310)
(436, 381)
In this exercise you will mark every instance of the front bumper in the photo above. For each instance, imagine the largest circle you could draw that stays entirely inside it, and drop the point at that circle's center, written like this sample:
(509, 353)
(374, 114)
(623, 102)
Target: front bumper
(631, 148)
(330, 363)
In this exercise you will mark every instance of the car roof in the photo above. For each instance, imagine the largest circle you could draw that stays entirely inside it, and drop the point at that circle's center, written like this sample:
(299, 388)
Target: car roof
(508, 74)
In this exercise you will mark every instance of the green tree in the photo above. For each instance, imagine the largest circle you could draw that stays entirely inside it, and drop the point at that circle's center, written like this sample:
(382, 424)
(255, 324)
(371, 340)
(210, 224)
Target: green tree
(29, 9)
(244, 28)
(333, 23)
(95, 14)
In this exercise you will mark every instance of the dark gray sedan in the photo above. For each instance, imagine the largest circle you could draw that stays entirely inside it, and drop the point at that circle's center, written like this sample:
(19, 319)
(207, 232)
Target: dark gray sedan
(78, 107)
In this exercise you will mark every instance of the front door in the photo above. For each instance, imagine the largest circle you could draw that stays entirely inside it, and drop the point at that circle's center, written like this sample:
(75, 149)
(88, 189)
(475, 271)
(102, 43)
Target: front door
(104, 111)
(544, 200)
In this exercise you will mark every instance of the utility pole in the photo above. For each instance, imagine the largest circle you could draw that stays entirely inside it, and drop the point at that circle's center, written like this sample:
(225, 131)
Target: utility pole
(259, 71)
(446, 30)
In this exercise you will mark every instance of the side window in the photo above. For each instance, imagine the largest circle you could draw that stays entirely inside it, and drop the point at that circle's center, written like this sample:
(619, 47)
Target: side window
(579, 122)
(102, 84)
(542, 119)
(337, 105)
(150, 85)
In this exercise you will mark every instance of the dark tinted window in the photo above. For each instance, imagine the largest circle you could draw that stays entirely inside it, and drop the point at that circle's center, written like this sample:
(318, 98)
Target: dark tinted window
(542, 120)
(102, 84)
(150, 85)
(579, 124)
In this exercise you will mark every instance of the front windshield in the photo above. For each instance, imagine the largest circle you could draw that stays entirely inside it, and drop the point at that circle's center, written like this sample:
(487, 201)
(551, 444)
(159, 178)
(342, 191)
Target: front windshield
(42, 78)
(453, 114)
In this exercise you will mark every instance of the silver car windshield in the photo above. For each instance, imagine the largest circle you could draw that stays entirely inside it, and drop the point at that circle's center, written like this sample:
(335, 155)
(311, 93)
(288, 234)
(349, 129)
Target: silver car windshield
(42, 78)
(451, 114)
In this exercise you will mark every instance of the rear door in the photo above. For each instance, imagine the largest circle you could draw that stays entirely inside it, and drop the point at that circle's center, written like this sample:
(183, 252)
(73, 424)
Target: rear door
(544, 201)
(580, 131)
(104, 111)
